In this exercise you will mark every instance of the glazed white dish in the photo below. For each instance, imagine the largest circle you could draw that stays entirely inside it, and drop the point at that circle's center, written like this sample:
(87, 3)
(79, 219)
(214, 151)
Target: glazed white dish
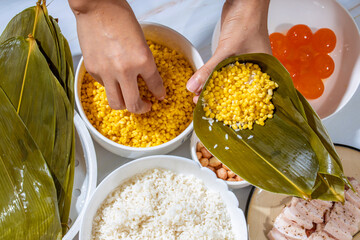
(162, 35)
(263, 207)
(176, 164)
(85, 176)
(342, 84)
(232, 185)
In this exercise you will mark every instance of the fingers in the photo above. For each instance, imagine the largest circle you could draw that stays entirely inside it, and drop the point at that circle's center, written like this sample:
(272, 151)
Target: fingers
(196, 98)
(132, 98)
(123, 92)
(154, 83)
(199, 78)
(114, 95)
(89, 66)
(100, 81)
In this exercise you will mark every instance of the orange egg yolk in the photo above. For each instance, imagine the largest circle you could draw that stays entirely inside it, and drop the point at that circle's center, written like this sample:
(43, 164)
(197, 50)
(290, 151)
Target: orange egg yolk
(305, 56)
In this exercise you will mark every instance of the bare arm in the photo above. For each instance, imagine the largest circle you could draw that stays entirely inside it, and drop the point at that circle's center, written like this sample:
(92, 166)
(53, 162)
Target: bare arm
(115, 52)
(243, 30)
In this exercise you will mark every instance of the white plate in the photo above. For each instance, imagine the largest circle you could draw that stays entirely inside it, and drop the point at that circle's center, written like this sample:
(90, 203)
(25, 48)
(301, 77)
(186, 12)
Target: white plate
(263, 207)
(173, 163)
(232, 185)
(342, 84)
(85, 176)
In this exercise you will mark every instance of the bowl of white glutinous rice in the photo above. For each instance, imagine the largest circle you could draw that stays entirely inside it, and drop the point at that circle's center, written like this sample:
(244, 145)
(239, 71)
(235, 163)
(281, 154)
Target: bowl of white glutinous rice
(163, 197)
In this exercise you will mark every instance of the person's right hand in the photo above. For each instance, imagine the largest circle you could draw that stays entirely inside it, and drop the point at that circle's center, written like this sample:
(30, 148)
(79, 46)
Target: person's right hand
(243, 30)
(115, 52)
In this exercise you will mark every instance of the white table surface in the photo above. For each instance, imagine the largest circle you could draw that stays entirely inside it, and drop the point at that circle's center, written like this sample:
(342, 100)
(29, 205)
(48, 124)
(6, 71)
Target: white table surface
(188, 17)
(195, 19)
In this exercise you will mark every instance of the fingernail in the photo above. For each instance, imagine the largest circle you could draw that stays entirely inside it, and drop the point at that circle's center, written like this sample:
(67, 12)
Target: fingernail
(195, 99)
(193, 84)
(162, 98)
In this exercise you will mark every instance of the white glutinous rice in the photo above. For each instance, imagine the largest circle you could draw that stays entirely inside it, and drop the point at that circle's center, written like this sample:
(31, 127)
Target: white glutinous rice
(161, 204)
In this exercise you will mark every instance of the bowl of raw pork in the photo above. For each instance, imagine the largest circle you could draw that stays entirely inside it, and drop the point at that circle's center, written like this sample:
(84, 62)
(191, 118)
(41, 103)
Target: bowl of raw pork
(276, 216)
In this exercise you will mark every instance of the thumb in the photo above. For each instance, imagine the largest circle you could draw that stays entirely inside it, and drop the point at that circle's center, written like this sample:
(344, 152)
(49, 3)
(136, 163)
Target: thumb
(197, 81)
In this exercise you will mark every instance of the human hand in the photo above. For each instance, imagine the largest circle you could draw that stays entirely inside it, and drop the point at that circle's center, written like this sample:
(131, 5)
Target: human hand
(243, 30)
(115, 52)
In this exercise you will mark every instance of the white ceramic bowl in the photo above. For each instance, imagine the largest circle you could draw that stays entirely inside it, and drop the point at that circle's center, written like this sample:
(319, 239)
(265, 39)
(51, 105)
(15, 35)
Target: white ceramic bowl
(174, 40)
(85, 176)
(173, 163)
(232, 185)
(342, 84)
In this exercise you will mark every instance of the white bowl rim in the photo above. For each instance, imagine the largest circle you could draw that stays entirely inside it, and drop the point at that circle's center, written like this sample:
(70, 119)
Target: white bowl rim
(193, 143)
(94, 131)
(91, 172)
(103, 182)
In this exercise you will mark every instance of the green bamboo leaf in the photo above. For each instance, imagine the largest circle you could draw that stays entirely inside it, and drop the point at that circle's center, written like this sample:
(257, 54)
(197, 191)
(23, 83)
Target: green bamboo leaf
(69, 72)
(291, 154)
(66, 73)
(33, 21)
(58, 142)
(61, 48)
(63, 158)
(36, 22)
(28, 197)
(67, 69)
(21, 81)
(331, 164)
(49, 121)
(65, 201)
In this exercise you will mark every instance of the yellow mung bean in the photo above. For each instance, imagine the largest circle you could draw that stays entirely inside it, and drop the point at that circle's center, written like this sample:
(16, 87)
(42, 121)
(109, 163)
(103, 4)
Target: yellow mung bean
(239, 95)
(167, 118)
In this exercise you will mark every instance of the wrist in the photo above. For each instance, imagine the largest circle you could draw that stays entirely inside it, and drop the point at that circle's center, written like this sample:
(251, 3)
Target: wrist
(248, 3)
(250, 15)
(80, 7)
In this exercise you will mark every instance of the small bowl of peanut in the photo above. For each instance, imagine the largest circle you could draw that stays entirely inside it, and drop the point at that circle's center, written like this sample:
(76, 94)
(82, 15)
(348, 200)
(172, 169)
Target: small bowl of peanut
(205, 159)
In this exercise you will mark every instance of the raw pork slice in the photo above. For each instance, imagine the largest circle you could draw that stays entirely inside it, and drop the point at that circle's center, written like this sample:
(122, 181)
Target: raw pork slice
(289, 228)
(293, 214)
(321, 235)
(318, 219)
(334, 229)
(274, 234)
(346, 219)
(314, 214)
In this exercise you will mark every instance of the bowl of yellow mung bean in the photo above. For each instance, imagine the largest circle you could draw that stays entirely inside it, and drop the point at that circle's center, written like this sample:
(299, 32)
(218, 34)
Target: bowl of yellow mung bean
(168, 124)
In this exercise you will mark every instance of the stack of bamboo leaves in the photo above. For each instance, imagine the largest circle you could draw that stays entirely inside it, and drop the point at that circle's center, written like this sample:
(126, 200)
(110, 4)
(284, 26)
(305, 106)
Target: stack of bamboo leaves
(36, 127)
(292, 154)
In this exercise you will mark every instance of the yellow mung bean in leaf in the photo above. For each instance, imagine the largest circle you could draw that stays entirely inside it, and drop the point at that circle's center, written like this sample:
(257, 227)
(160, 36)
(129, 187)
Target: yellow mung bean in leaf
(239, 95)
(167, 118)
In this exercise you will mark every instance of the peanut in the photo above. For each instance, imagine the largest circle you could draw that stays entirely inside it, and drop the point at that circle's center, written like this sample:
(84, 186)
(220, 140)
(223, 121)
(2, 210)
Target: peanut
(204, 162)
(231, 179)
(221, 173)
(198, 155)
(214, 162)
(237, 178)
(199, 146)
(211, 168)
(226, 168)
(230, 174)
(205, 153)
